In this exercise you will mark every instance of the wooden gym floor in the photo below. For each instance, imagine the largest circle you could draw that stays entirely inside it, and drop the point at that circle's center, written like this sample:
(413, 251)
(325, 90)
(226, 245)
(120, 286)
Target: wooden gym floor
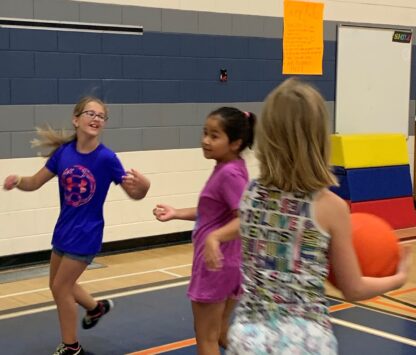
(121, 273)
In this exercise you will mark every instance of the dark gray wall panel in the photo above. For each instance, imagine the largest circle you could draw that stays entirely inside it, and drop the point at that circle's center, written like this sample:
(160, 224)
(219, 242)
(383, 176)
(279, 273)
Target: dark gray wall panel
(273, 27)
(5, 92)
(58, 10)
(16, 64)
(57, 116)
(149, 18)
(16, 118)
(190, 136)
(123, 140)
(146, 115)
(160, 138)
(330, 31)
(254, 107)
(34, 91)
(115, 112)
(5, 145)
(412, 117)
(152, 20)
(330, 106)
(21, 146)
(179, 21)
(16, 8)
(57, 65)
(246, 25)
(100, 13)
(35, 40)
(4, 38)
(179, 115)
(172, 45)
(132, 127)
(214, 23)
(203, 109)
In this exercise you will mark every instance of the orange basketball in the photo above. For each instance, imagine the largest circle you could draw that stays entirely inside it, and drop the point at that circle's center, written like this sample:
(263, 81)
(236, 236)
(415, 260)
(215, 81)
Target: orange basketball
(376, 246)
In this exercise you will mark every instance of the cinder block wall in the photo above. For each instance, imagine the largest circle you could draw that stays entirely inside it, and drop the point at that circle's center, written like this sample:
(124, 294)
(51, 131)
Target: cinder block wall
(159, 87)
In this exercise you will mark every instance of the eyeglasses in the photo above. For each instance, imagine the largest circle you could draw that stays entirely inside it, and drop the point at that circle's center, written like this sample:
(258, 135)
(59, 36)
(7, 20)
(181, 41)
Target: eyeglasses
(92, 114)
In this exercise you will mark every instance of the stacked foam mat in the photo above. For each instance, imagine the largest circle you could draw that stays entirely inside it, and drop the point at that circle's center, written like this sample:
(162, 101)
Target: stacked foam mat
(374, 176)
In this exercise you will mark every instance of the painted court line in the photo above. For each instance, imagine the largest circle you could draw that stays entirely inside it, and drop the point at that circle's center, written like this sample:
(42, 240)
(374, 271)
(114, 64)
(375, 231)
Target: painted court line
(367, 306)
(401, 292)
(172, 274)
(167, 347)
(190, 342)
(372, 331)
(395, 306)
(113, 295)
(102, 279)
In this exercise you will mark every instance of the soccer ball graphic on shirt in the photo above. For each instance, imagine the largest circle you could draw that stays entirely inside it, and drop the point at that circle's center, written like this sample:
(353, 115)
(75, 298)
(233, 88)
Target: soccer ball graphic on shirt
(79, 185)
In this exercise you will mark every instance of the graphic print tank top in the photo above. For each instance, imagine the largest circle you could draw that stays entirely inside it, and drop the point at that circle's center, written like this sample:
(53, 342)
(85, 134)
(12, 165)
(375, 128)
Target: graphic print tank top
(285, 261)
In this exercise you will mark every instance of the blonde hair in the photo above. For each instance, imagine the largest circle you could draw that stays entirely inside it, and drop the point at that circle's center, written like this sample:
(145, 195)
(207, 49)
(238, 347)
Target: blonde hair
(53, 139)
(292, 139)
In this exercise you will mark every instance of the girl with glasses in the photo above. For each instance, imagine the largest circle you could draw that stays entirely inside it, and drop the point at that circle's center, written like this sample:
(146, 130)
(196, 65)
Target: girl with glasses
(85, 169)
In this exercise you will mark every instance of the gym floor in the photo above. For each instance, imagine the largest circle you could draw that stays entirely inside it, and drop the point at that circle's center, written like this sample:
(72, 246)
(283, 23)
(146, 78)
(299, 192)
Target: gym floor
(152, 314)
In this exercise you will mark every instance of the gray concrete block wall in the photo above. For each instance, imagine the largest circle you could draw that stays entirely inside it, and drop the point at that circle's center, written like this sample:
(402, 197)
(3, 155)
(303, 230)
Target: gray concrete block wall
(59, 10)
(131, 127)
(161, 138)
(146, 115)
(100, 13)
(5, 145)
(21, 144)
(16, 118)
(16, 8)
(190, 136)
(412, 117)
(135, 126)
(179, 21)
(223, 23)
(247, 25)
(149, 18)
(123, 139)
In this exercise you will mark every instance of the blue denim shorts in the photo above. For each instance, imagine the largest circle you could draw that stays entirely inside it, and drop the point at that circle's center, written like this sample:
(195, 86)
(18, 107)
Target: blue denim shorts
(84, 258)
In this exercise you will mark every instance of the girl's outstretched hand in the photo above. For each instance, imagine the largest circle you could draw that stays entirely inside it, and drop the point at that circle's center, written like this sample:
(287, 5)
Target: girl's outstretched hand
(212, 253)
(164, 213)
(11, 182)
(135, 184)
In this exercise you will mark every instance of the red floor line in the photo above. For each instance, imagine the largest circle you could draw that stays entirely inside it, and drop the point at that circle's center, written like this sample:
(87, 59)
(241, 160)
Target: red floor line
(167, 347)
(189, 342)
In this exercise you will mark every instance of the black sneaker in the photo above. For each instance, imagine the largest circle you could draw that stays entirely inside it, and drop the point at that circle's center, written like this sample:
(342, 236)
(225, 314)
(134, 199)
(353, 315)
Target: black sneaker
(62, 349)
(90, 320)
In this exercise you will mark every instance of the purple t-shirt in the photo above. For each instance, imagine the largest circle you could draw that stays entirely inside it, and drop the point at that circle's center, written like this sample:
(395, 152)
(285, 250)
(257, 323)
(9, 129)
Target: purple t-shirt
(84, 180)
(217, 205)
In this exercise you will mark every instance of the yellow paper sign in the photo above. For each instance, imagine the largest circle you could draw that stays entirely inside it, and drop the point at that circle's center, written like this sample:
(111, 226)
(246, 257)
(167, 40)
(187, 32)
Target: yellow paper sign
(303, 39)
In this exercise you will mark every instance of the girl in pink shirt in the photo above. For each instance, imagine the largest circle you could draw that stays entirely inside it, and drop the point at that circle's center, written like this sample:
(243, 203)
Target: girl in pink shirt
(227, 132)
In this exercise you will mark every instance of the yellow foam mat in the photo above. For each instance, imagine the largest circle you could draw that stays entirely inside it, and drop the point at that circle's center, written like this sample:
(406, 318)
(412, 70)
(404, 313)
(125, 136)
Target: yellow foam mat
(368, 150)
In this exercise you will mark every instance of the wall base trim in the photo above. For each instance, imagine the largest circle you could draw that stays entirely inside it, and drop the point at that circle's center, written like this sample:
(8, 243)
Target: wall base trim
(128, 245)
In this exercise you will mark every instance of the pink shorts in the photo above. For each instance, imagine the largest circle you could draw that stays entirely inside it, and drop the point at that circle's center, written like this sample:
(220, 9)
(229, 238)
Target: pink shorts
(215, 286)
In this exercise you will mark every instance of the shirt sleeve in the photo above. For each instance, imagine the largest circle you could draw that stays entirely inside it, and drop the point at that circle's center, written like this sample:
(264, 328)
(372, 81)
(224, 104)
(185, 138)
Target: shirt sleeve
(232, 188)
(116, 170)
(52, 163)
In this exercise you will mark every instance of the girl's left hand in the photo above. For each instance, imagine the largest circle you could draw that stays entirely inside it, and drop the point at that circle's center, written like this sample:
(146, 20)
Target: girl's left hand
(11, 182)
(212, 253)
(136, 184)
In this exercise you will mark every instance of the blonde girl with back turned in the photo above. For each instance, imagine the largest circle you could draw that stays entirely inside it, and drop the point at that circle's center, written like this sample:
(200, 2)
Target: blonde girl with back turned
(227, 132)
(292, 226)
(85, 170)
